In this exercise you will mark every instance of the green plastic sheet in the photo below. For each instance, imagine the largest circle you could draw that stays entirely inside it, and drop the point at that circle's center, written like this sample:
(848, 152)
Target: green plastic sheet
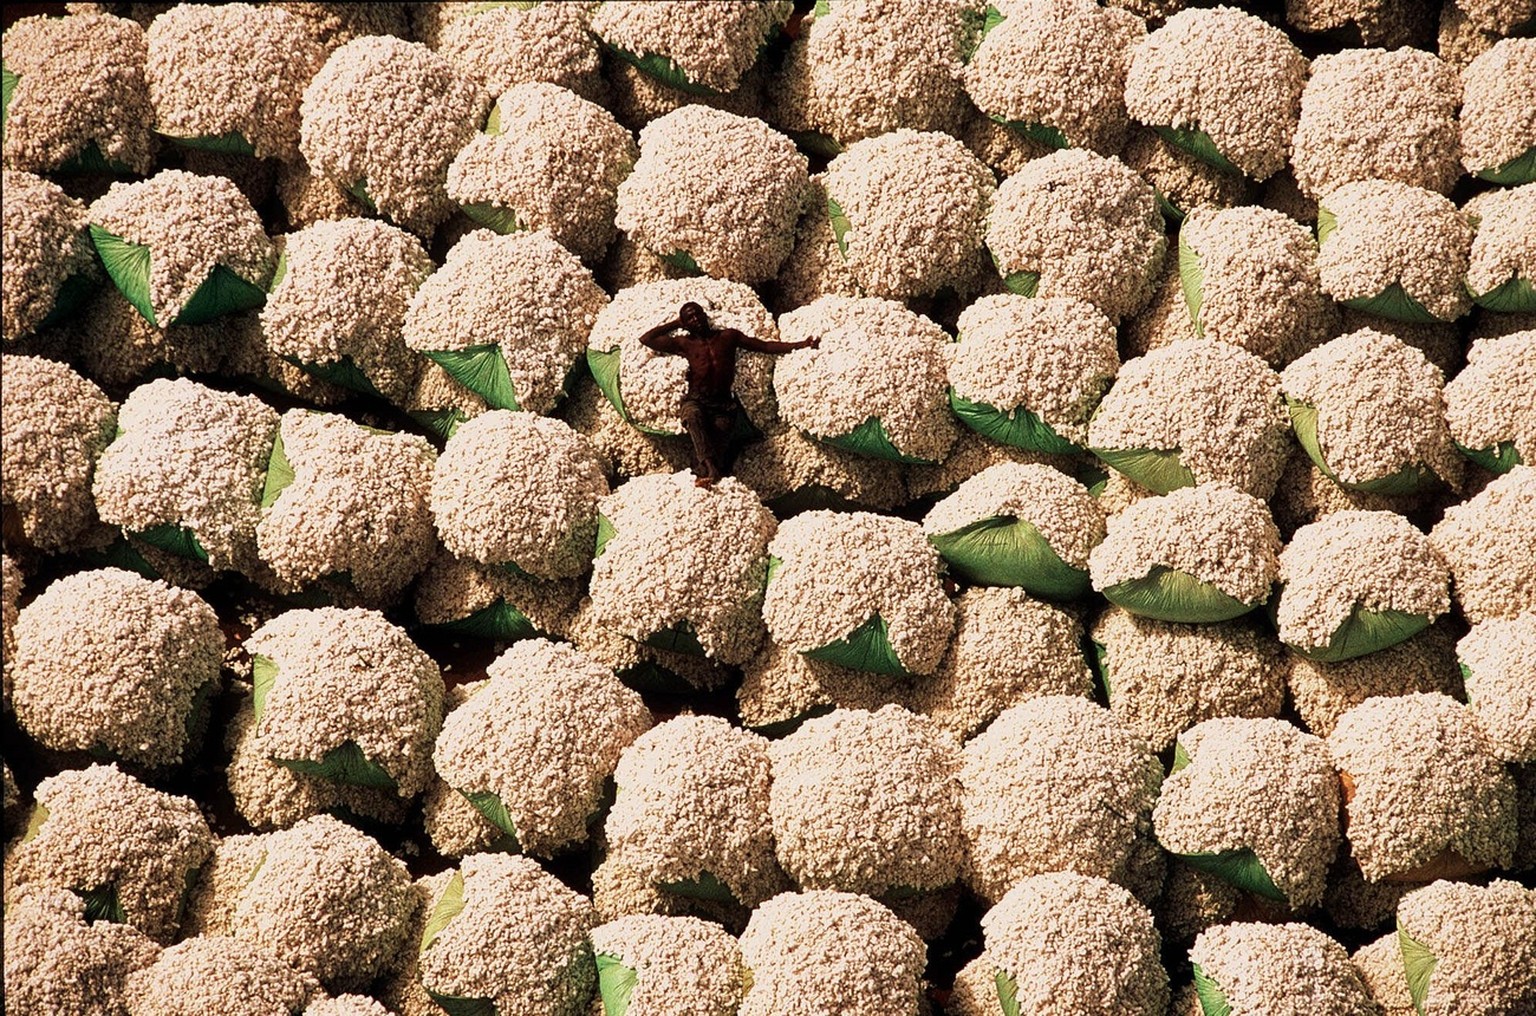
(489, 805)
(840, 226)
(1004, 550)
(230, 143)
(493, 216)
(1042, 133)
(498, 621)
(604, 367)
(870, 438)
(483, 370)
(1159, 470)
(705, 887)
(1168, 594)
(1499, 458)
(344, 373)
(867, 648)
(1516, 296)
(1364, 632)
(1240, 868)
(1418, 967)
(1007, 993)
(615, 983)
(1199, 144)
(8, 83)
(346, 763)
(1213, 1001)
(1019, 427)
(1520, 169)
(222, 293)
(1304, 422)
(174, 539)
(1192, 281)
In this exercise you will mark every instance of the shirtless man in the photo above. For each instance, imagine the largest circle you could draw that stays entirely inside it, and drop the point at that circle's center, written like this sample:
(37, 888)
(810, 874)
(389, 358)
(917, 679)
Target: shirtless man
(709, 409)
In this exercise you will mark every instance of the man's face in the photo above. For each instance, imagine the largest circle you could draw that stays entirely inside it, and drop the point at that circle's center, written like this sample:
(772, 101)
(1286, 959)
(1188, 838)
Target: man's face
(693, 319)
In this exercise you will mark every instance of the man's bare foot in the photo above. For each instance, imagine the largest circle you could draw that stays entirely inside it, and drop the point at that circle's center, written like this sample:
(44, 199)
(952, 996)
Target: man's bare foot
(705, 481)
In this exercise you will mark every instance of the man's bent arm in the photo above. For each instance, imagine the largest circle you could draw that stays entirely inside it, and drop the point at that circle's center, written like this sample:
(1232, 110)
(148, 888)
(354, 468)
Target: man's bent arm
(661, 338)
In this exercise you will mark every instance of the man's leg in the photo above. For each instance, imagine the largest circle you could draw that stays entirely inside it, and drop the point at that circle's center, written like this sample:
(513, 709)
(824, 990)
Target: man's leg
(699, 423)
(724, 447)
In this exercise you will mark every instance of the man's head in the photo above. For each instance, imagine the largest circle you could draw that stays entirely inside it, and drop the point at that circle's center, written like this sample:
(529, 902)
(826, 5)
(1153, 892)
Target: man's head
(693, 318)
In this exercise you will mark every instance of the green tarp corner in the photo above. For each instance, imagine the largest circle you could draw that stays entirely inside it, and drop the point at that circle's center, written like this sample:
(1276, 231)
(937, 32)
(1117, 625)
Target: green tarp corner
(1003, 550)
(1304, 418)
(1158, 469)
(1019, 427)
(1168, 594)
(870, 438)
(867, 648)
(1199, 144)
(1365, 632)
(483, 370)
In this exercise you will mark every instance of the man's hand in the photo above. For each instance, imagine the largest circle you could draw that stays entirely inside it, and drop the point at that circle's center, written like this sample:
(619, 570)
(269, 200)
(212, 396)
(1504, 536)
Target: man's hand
(813, 343)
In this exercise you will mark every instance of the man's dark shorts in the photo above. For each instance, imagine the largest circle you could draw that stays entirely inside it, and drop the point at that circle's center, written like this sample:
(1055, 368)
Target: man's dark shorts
(718, 415)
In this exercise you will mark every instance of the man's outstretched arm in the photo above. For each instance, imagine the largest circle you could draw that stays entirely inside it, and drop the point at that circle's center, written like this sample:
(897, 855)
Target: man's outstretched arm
(661, 338)
(757, 345)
